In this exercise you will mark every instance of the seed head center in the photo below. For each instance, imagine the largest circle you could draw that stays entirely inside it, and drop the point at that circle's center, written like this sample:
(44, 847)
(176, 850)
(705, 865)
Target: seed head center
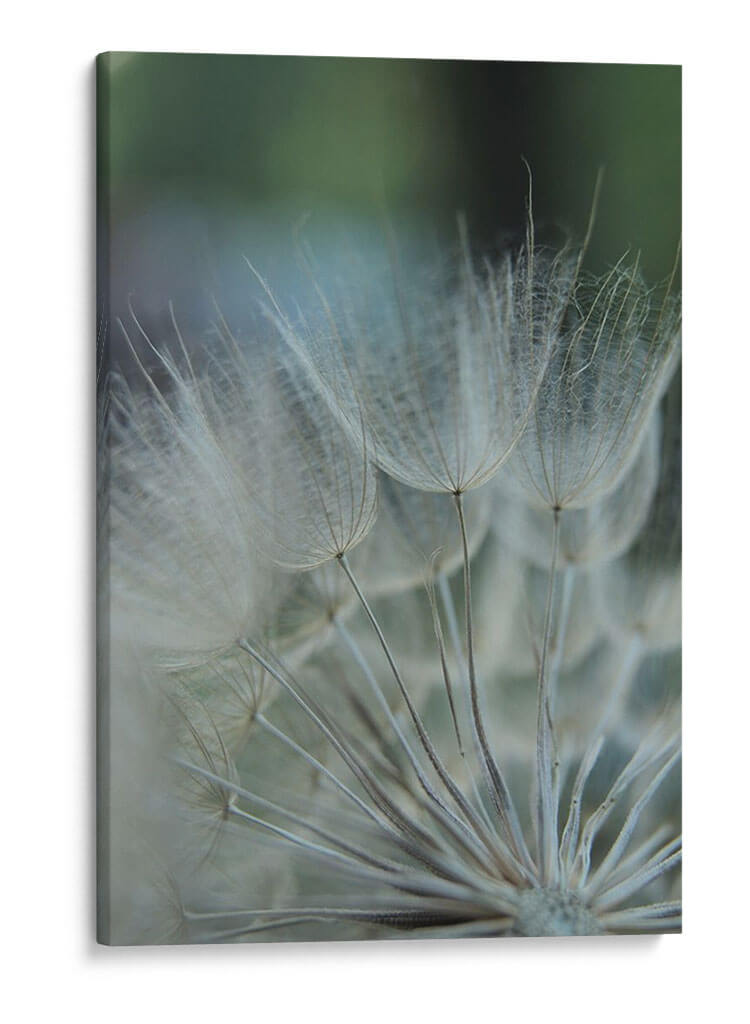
(554, 912)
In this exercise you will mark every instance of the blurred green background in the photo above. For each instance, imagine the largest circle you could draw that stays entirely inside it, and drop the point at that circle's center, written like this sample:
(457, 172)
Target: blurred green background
(205, 157)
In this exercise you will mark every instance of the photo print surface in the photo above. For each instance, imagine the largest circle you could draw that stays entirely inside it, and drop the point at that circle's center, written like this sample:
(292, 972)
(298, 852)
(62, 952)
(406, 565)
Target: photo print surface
(389, 506)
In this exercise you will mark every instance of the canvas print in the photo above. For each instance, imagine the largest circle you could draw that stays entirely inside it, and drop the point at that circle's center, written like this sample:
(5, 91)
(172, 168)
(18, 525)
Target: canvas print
(389, 466)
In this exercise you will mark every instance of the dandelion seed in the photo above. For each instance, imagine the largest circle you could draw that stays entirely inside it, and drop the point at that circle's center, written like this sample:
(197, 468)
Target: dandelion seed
(617, 345)
(431, 370)
(598, 532)
(182, 525)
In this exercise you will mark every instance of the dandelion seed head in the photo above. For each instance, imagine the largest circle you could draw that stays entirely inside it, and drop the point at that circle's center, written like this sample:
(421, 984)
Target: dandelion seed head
(354, 737)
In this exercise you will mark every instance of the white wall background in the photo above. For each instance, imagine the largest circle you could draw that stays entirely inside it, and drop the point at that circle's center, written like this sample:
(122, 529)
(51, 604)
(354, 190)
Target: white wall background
(52, 965)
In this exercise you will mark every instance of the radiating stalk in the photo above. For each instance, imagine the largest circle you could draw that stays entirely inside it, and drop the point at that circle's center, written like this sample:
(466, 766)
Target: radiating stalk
(360, 659)
(561, 630)
(499, 791)
(462, 803)
(421, 732)
(546, 756)
(450, 611)
(455, 636)
(445, 777)
(339, 743)
(439, 637)
(320, 767)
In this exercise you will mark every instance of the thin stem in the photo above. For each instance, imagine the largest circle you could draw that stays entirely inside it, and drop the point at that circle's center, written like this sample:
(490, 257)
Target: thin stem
(344, 748)
(614, 856)
(569, 841)
(455, 636)
(499, 791)
(660, 863)
(546, 758)
(450, 611)
(647, 754)
(350, 848)
(454, 825)
(438, 629)
(450, 784)
(561, 630)
(320, 767)
(360, 659)
(421, 732)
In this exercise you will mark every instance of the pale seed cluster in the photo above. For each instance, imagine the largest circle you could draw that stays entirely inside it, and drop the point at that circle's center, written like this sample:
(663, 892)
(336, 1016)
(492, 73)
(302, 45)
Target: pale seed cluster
(395, 614)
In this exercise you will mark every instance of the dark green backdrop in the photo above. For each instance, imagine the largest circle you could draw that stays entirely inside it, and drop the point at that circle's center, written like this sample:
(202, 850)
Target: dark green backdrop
(204, 157)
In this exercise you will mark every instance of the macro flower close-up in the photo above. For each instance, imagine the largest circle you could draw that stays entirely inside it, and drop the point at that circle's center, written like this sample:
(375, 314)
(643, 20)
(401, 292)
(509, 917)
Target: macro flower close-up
(392, 578)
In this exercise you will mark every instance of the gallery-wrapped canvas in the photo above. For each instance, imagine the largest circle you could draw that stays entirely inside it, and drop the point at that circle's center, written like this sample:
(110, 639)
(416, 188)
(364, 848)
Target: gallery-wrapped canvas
(389, 464)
